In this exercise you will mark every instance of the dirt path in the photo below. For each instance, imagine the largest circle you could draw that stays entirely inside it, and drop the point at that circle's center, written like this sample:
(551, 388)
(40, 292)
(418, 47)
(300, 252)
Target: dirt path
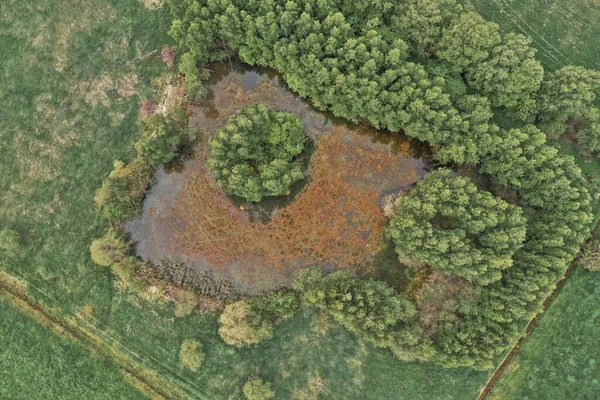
(488, 387)
(144, 379)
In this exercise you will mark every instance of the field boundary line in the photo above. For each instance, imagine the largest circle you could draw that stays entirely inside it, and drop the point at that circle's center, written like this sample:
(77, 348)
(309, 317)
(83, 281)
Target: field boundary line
(502, 366)
(143, 378)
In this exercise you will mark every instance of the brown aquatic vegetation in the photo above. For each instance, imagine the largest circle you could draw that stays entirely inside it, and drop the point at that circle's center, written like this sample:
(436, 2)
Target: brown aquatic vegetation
(335, 220)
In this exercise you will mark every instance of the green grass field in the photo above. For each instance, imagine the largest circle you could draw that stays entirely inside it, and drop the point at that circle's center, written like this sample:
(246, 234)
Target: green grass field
(37, 364)
(73, 77)
(560, 359)
(564, 31)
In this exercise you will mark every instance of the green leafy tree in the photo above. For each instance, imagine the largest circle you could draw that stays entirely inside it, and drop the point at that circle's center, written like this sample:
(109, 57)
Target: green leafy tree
(371, 309)
(511, 76)
(306, 278)
(191, 355)
(111, 249)
(120, 195)
(566, 93)
(450, 225)
(588, 133)
(159, 139)
(257, 153)
(240, 325)
(185, 304)
(257, 389)
(468, 41)
(421, 21)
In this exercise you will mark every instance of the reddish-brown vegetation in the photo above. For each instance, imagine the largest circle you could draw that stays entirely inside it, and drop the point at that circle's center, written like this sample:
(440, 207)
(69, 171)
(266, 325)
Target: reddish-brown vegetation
(336, 220)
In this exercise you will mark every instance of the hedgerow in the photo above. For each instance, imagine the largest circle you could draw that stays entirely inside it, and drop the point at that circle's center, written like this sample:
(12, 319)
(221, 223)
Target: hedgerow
(358, 64)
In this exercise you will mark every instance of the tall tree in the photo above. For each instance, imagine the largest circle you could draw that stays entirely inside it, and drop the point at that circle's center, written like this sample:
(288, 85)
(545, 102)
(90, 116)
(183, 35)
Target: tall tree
(511, 76)
(421, 21)
(469, 40)
(588, 133)
(566, 93)
(450, 225)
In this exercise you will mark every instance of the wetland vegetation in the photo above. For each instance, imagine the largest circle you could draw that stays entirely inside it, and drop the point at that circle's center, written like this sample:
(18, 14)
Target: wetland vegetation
(301, 199)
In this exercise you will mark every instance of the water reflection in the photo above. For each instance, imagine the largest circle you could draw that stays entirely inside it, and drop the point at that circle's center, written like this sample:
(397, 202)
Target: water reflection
(332, 219)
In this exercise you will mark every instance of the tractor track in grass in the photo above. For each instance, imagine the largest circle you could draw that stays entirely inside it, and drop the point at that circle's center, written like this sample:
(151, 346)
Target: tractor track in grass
(140, 377)
(490, 383)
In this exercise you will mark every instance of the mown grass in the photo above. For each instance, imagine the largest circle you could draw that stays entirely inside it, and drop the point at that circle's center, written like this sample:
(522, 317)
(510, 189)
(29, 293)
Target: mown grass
(560, 359)
(37, 364)
(564, 32)
(73, 74)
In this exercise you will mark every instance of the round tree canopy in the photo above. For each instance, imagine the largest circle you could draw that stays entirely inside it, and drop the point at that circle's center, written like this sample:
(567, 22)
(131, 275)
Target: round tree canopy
(256, 153)
(449, 224)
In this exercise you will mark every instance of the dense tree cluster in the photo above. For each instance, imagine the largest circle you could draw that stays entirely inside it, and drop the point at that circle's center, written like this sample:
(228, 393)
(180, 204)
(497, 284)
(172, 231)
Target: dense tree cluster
(358, 65)
(588, 134)
(448, 224)
(257, 153)
(372, 309)
(566, 93)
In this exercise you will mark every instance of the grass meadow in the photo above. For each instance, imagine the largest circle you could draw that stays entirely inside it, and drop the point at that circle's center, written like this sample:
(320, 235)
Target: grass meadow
(560, 359)
(565, 32)
(37, 364)
(73, 75)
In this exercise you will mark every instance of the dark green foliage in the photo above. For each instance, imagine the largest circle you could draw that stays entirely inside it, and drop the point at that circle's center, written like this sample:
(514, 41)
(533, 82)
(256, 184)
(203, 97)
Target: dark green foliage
(468, 41)
(511, 76)
(566, 93)
(306, 278)
(421, 21)
(588, 133)
(358, 69)
(256, 153)
(257, 389)
(371, 309)
(159, 138)
(191, 355)
(448, 224)
(121, 194)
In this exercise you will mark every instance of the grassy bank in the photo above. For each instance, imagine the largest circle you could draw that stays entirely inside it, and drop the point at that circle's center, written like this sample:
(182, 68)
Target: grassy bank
(564, 32)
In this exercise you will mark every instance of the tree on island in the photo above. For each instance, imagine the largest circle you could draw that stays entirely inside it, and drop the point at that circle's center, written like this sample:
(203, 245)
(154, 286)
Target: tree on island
(257, 153)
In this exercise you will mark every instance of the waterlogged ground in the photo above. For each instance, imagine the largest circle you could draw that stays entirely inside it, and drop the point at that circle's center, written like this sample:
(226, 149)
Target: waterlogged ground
(333, 219)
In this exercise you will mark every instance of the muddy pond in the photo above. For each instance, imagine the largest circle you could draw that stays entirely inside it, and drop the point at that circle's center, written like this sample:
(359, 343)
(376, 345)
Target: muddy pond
(333, 219)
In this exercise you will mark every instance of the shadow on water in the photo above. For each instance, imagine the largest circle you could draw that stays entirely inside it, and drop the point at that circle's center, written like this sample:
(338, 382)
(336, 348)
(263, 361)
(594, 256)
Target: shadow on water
(181, 222)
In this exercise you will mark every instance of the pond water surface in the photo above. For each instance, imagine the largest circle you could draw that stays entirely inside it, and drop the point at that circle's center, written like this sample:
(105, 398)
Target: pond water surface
(333, 219)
